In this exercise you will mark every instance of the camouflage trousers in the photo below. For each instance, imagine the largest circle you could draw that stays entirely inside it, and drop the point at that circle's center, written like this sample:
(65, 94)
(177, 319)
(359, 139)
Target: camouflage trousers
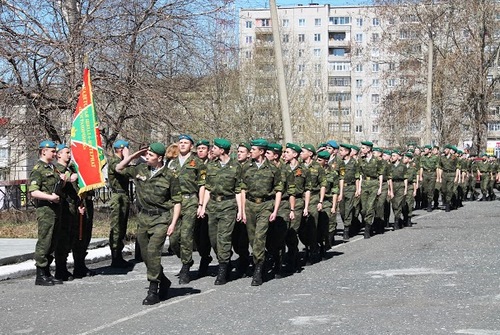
(181, 241)
(221, 220)
(48, 224)
(485, 181)
(428, 186)
(409, 202)
(448, 186)
(151, 235)
(257, 225)
(369, 199)
(120, 205)
(347, 205)
(308, 230)
(278, 229)
(292, 241)
(381, 203)
(398, 201)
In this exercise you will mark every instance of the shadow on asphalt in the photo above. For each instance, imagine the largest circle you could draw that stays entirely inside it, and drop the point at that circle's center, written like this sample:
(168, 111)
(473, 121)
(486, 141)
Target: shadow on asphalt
(181, 291)
(109, 271)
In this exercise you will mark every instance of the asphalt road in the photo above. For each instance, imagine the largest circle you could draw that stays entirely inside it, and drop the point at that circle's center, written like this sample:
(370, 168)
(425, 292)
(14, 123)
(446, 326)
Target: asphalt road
(440, 276)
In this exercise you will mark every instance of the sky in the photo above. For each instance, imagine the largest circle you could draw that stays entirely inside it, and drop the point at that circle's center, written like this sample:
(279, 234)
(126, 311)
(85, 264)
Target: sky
(265, 3)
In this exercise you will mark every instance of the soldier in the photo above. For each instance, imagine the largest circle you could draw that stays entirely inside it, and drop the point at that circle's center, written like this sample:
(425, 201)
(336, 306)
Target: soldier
(42, 187)
(428, 176)
(493, 178)
(327, 218)
(67, 212)
(222, 201)
(411, 193)
(262, 188)
(349, 187)
(201, 233)
(159, 202)
(191, 172)
(333, 148)
(449, 175)
(400, 187)
(120, 205)
(240, 235)
(372, 178)
(417, 154)
(483, 170)
(308, 231)
(382, 205)
(299, 200)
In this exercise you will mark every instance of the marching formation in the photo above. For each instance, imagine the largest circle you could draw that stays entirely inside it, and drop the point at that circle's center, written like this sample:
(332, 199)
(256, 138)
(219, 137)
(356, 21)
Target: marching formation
(264, 198)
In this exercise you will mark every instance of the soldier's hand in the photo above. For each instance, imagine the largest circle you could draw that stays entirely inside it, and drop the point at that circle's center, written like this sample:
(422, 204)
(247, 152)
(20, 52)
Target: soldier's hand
(170, 229)
(239, 217)
(54, 198)
(272, 217)
(200, 212)
(73, 178)
(81, 210)
(305, 212)
(62, 176)
(320, 207)
(379, 191)
(244, 218)
(334, 210)
(126, 152)
(292, 215)
(339, 198)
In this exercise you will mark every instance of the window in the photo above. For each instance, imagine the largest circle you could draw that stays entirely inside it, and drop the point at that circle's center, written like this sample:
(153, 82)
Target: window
(333, 127)
(317, 52)
(337, 51)
(375, 128)
(359, 22)
(359, 83)
(375, 37)
(285, 22)
(302, 67)
(286, 38)
(358, 129)
(301, 52)
(339, 96)
(317, 68)
(265, 23)
(375, 83)
(317, 83)
(375, 22)
(302, 82)
(318, 97)
(359, 113)
(337, 36)
(493, 126)
(359, 67)
(375, 67)
(339, 66)
(302, 37)
(391, 82)
(302, 22)
(248, 24)
(317, 37)
(248, 54)
(359, 97)
(392, 66)
(375, 98)
(359, 51)
(248, 39)
(317, 22)
(358, 38)
(339, 81)
(375, 52)
(340, 20)
(346, 127)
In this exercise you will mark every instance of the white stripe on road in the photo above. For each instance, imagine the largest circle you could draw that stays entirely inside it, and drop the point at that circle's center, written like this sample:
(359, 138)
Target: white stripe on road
(144, 312)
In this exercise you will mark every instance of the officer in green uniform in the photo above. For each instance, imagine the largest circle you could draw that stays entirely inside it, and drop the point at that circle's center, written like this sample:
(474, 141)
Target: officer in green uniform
(120, 205)
(299, 200)
(372, 179)
(411, 193)
(42, 187)
(400, 187)
(349, 189)
(240, 235)
(262, 187)
(382, 204)
(327, 218)
(222, 201)
(159, 203)
(483, 169)
(191, 172)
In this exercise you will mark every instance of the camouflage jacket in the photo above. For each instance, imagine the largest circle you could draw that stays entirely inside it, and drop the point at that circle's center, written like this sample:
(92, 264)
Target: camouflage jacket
(261, 182)
(43, 177)
(223, 180)
(191, 175)
(116, 181)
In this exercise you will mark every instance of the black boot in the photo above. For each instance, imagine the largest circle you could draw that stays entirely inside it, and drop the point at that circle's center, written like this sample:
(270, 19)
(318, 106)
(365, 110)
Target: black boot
(62, 272)
(204, 263)
(42, 279)
(331, 239)
(367, 231)
(153, 297)
(117, 260)
(81, 270)
(221, 274)
(396, 224)
(242, 266)
(184, 273)
(447, 207)
(257, 275)
(346, 234)
(429, 208)
(49, 275)
(165, 284)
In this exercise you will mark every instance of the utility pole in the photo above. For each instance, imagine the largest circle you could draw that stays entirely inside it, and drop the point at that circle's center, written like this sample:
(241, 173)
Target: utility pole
(278, 58)
(428, 114)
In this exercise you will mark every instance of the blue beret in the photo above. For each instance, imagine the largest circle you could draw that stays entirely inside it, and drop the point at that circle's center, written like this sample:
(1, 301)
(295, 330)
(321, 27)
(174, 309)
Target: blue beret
(333, 144)
(186, 137)
(120, 144)
(47, 144)
(61, 146)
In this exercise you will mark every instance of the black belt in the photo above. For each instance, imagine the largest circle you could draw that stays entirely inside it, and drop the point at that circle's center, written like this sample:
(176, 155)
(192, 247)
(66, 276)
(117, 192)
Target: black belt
(219, 198)
(449, 171)
(156, 211)
(398, 180)
(260, 200)
(120, 191)
(43, 203)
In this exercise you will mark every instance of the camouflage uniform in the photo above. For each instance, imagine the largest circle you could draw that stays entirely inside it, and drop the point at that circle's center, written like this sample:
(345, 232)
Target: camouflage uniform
(44, 178)
(491, 184)
(156, 195)
(239, 240)
(349, 174)
(428, 165)
(449, 164)
(191, 177)
(326, 216)
(120, 205)
(412, 174)
(371, 172)
(382, 205)
(399, 175)
(485, 169)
